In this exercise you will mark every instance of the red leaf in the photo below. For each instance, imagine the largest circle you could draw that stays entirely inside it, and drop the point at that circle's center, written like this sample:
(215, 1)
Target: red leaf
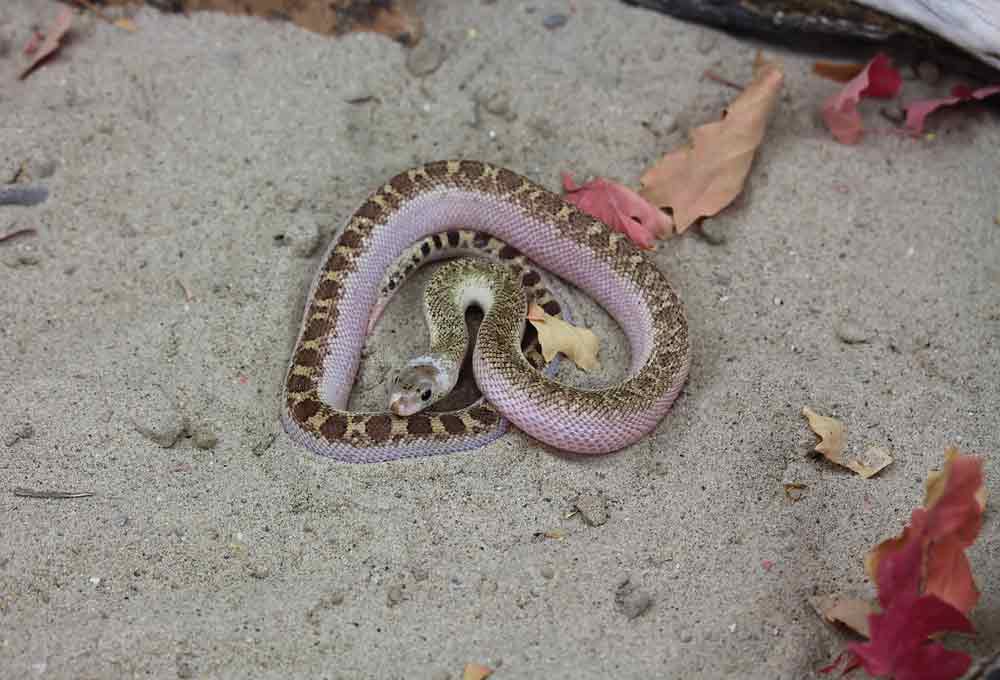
(899, 645)
(878, 79)
(620, 208)
(918, 111)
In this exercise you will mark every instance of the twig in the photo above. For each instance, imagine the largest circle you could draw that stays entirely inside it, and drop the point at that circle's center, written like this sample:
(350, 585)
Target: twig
(188, 297)
(34, 493)
(712, 75)
(17, 232)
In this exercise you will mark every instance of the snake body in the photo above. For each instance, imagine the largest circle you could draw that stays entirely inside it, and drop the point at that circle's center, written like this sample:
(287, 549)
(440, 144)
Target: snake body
(438, 199)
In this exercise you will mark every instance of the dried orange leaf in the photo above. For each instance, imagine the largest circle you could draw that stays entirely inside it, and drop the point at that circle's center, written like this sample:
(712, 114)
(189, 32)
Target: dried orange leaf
(126, 24)
(937, 479)
(53, 38)
(474, 671)
(704, 177)
(555, 335)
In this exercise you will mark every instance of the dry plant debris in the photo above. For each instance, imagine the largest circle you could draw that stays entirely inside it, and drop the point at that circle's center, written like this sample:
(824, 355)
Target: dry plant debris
(580, 345)
(831, 434)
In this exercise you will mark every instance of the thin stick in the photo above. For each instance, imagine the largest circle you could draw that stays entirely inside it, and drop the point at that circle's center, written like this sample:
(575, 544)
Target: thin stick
(17, 232)
(712, 75)
(34, 493)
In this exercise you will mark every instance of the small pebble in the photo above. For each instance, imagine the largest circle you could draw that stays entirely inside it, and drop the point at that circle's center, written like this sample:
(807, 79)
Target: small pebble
(685, 635)
(42, 167)
(394, 595)
(425, 58)
(420, 574)
(929, 72)
(554, 21)
(667, 124)
(632, 601)
(850, 332)
(259, 571)
(441, 675)
(155, 416)
(19, 432)
(498, 103)
(184, 670)
(706, 42)
(301, 235)
(204, 438)
(893, 112)
(712, 231)
(593, 508)
(548, 572)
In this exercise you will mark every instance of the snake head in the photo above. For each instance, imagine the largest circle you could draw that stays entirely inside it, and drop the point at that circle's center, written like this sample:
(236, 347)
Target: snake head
(419, 384)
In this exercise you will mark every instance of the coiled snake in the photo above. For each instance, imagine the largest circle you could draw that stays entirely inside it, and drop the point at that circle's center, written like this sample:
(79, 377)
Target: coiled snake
(437, 200)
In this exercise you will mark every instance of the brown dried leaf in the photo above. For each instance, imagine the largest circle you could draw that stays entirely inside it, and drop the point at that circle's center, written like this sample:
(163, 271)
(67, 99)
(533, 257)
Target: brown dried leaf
(475, 671)
(53, 38)
(836, 71)
(555, 335)
(831, 445)
(704, 177)
(851, 611)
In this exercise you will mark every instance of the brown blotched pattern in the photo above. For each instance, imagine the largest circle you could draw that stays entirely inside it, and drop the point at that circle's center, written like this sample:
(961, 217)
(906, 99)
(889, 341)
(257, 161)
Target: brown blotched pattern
(663, 372)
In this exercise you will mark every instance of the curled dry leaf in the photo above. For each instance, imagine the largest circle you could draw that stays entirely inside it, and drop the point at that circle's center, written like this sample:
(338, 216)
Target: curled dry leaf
(837, 71)
(555, 335)
(53, 39)
(705, 176)
(475, 671)
(840, 111)
(831, 445)
(620, 208)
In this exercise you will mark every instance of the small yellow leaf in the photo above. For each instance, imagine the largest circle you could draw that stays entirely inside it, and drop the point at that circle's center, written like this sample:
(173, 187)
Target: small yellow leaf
(555, 335)
(474, 671)
(872, 460)
(126, 24)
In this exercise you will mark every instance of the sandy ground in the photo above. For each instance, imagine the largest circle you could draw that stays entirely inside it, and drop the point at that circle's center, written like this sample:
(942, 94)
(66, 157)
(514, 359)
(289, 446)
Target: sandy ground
(206, 154)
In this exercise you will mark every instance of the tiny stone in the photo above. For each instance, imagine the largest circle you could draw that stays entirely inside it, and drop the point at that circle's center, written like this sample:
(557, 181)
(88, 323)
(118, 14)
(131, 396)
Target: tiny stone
(548, 572)
(184, 670)
(685, 635)
(706, 42)
(19, 432)
(593, 508)
(204, 438)
(441, 675)
(554, 21)
(713, 232)
(155, 416)
(394, 595)
(425, 58)
(850, 332)
(929, 72)
(498, 103)
(635, 604)
(301, 234)
(42, 168)
(259, 571)
(893, 112)
(668, 123)
(420, 574)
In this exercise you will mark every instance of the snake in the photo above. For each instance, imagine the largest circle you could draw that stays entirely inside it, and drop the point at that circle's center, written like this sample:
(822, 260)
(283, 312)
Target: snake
(437, 200)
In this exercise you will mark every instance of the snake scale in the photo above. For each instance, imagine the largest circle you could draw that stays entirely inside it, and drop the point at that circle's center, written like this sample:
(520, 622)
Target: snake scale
(438, 199)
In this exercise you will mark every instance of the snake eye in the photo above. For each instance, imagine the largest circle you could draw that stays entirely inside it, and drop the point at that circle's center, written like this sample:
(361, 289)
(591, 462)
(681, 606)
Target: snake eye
(426, 395)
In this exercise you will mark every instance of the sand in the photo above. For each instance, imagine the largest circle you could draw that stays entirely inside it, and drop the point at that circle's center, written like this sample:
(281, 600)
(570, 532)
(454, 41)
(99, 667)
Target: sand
(194, 165)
